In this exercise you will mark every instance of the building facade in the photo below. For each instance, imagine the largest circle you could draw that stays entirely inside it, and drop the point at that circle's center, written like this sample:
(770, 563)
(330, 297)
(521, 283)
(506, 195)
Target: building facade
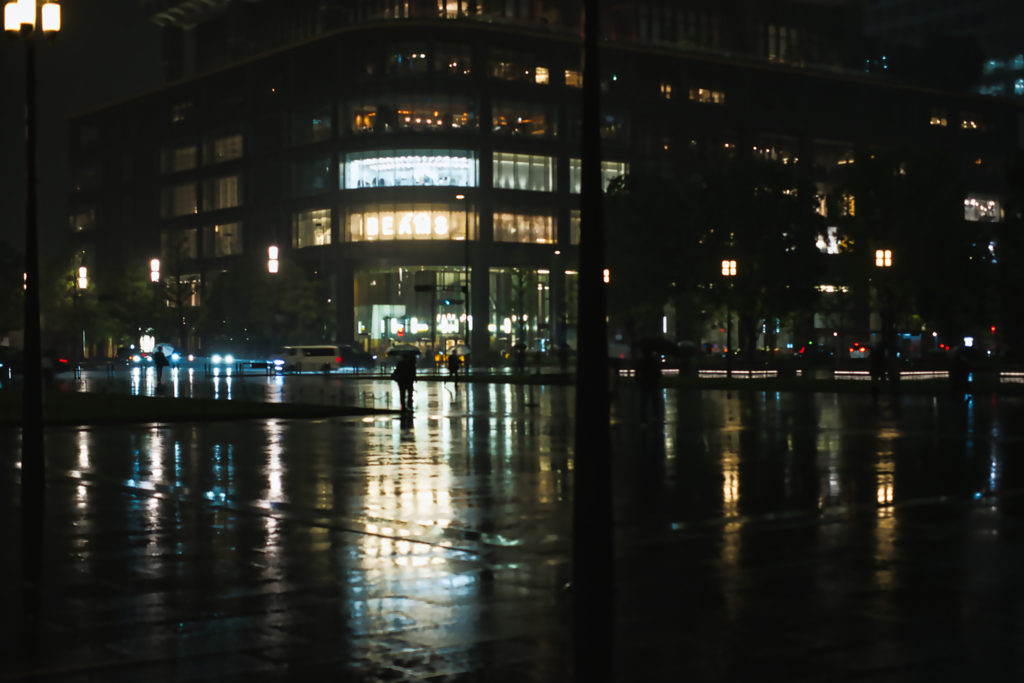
(425, 167)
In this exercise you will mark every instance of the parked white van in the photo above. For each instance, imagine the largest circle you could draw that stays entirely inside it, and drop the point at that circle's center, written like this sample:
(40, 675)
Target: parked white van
(317, 358)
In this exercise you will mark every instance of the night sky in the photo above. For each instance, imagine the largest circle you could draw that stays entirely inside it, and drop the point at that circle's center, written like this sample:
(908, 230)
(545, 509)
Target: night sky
(106, 50)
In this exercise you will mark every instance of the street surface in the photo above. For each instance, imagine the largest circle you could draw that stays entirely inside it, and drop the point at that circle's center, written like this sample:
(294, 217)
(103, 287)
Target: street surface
(794, 537)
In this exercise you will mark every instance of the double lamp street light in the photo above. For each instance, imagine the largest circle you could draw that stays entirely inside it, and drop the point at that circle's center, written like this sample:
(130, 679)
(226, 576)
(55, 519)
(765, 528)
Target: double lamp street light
(22, 18)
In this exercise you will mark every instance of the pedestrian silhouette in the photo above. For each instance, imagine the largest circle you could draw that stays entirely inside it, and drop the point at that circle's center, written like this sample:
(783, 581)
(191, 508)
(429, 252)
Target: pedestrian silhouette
(453, 367)
(161, 362)
(405, 376)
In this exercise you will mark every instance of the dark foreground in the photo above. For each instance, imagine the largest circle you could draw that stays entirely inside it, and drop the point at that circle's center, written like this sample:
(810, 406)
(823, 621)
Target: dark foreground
(760, 537)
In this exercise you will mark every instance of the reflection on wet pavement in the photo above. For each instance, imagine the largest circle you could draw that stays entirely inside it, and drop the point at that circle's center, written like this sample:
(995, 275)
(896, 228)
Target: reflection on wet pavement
(760, 537)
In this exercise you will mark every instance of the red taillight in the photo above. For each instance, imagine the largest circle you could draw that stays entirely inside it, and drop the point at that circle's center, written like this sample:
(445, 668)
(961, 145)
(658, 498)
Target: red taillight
(862, 349)
(802, 349)
(337, 360)
(62, 360)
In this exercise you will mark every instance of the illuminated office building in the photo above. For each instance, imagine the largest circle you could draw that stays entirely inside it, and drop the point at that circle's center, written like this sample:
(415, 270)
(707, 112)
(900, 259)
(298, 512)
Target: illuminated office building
(390, 145)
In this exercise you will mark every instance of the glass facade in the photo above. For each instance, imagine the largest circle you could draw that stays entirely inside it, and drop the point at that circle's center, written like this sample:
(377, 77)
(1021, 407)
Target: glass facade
(411, 168)
(311, 177)
(388, 222)
(532, 228)
(222, 148)
(222, 240)
(221, 193)
(389, 310)
(312, 125)
(520, 308)
(610, 170)
(311, 228)
(178, 200)
(524, 172)
(524, 119)
(176, 159)
(387, 113)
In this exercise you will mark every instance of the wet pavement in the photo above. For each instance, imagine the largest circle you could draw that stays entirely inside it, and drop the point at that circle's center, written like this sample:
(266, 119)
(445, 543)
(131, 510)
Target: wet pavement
(796, 537)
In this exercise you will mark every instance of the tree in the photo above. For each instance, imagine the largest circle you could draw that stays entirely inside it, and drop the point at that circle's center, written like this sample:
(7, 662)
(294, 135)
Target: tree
(759, 214)
(911, 202)
(181, 279)
(135, 305)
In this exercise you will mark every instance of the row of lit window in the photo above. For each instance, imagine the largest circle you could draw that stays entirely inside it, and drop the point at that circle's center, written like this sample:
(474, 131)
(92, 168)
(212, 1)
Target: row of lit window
(968, 120)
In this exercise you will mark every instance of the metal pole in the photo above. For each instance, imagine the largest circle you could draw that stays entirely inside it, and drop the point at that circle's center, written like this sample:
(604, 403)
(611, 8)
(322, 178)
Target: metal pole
(33, 466)
(593, 552)
(728, 342)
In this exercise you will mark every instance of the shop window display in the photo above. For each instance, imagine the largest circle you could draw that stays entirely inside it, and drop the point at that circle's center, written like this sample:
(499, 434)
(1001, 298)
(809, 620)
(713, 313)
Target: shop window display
(387, 113)
(411, 168)
(983, 208)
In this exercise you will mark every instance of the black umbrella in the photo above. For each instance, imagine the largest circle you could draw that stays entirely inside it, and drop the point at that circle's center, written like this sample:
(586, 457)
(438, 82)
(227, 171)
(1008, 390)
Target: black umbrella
(658, 345)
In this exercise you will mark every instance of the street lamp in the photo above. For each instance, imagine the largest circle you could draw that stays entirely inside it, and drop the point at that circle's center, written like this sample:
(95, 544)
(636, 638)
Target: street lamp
(154, 270)
(272, 262)
(883, 259)
(729, 271)
(20, 18)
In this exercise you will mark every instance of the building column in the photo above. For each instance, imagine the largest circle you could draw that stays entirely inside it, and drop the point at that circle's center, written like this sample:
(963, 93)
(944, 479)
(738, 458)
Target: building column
(556, 291)
(480, 303)
(344, 301)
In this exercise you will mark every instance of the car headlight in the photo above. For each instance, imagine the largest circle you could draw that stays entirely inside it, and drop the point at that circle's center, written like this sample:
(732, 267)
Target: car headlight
(136, 358)
(229, 358)
(191, 357)
(278, 362)
(175, 356)
(215, 358)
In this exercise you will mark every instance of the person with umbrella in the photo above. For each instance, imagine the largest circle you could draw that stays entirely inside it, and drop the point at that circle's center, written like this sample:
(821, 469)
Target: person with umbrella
(405, 376)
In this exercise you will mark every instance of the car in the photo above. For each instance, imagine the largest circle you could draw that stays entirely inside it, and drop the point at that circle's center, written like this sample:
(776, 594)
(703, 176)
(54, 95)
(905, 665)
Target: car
(221, 359)
(354, 357)
(131, 356)
(312, 358)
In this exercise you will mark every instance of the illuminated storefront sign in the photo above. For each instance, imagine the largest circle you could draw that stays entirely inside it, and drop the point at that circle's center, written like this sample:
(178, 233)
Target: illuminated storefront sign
(379, 222)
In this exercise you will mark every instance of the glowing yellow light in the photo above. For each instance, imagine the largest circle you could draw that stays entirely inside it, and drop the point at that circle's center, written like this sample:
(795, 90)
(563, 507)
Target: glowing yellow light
(51, 17)
(12, 17)
(154, 276)
(728, 267)
(607, 275)
(272, 265)
(27, 12)
(272, 253)
(154, 265)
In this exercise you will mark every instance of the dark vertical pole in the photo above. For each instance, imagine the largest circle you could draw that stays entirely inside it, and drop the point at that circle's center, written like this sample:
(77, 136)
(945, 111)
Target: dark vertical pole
(728, 342)
(593, 552)
(33, 466)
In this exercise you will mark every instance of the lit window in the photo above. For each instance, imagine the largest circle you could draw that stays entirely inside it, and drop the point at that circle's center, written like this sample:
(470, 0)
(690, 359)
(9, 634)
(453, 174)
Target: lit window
(983, 208)
(610, 170)
(524, 172)
(972, 121)
(938, 117)
(1018, 62)
(541, 75)
(525, 228)
(573, 79)
(223, 148)
(411, 167)
(520, 119)
(311, 229)
(993, 65)
(1018, 86)
(221, 193)
(666, 91)
(222, 240)
(705, 96)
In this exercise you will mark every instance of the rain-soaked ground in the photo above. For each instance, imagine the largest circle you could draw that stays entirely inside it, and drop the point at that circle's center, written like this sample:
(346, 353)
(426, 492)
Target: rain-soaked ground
(793, 537)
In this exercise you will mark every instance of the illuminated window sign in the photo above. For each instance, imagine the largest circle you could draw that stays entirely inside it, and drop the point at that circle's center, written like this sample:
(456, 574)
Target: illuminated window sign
(529, 229)
(411, 168)
(390, 222)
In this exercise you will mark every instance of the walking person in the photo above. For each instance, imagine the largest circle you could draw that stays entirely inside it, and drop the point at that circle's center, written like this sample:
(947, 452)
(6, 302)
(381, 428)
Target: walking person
(648, 376)
(161, 362)
(405, 376)
(454, 364)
